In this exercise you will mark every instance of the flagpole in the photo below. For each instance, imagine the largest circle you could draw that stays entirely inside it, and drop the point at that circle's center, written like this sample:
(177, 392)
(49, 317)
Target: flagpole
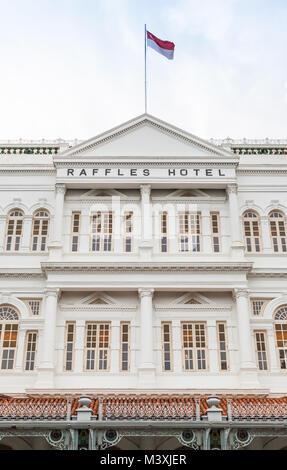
(145, 68)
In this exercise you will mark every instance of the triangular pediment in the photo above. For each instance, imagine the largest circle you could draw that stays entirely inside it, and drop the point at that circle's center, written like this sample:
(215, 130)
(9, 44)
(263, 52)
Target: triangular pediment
(103, 194)
(188, 194)
(97, 299)
(191, 299)
(146, 137)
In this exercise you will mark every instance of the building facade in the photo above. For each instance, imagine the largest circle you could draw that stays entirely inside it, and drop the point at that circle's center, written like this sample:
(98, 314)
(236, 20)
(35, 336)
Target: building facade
(143, 293)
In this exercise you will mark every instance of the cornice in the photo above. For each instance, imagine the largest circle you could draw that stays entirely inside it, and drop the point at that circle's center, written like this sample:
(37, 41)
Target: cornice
(259, 171)
(27, 169)
(21, 274)
(268, 274)
(142, 162)
(146, 267)
(194, 308)
(98, 308)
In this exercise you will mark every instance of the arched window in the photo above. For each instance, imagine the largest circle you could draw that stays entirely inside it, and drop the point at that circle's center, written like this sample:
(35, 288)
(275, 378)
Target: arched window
(252, 232)
(14, 230)
(9, 324)
(278, 231)
(281, 335)
(40, 230)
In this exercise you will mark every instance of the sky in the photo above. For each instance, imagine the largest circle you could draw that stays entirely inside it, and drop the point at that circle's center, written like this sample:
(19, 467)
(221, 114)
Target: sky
(75, 68)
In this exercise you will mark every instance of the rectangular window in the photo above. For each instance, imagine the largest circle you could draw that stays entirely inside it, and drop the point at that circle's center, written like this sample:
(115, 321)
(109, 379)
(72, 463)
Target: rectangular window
(163, 232)
(102, 232)
(69, 347)
(125, 347)
(35, 307)
(215, 231)
(9, 346)
(167, 347)
(194, 346)
(97, 346)
(261, 350)
(128, 231)
(76, 219)
(258, 306)
(190, 232)
(222, 345)
(31, 350)
(281, 338)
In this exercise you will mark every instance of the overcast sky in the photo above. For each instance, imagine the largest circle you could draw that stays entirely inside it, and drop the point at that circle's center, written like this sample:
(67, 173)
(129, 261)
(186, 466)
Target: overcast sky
(74, 68)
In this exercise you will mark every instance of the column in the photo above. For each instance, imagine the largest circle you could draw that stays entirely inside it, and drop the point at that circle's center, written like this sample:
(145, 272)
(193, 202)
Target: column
(27, 229)
(146, 244)
(147, 367)
(47, 362)
(237, 246)
(246, 350)
(56, 246)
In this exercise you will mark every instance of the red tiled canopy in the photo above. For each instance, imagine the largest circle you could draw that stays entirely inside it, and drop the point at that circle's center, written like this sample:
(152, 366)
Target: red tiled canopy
(142, 408)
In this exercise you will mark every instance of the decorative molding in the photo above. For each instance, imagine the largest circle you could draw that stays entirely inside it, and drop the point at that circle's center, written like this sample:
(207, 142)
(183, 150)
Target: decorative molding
(241, 293)
(146, 293)
(147, 267)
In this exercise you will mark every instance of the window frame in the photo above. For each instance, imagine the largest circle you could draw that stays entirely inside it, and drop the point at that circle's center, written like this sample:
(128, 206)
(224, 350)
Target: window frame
(220, 361)
(96, 349)
(66, 352)
(75, 234)
(194, 349)
(170, 343)
(264, 301)
(3, 330)
(250, 240)
(257, 352)
(14, 243)
(40, 236)
(30, 332)
(188, 233)
(123, 324)
(127, 233)
(215, 235)
(278, 237)
(94, 233)
(163, 228)
(283, 332)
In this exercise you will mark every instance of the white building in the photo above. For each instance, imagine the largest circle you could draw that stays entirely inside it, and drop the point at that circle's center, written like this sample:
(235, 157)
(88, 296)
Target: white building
(145, 269)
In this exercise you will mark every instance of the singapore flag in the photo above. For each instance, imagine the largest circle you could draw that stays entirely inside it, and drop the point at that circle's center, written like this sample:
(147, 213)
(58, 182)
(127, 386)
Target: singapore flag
(165, 48)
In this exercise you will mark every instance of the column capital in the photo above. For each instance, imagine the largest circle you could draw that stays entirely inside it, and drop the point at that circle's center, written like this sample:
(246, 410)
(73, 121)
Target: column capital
(146, 293)
(232, 189)
(241, 293)
(52, 293)
(145, 189)
(60, 188)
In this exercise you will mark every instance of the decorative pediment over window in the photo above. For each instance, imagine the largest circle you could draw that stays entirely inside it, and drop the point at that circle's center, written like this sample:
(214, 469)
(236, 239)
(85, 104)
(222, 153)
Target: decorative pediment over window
(103, 194)
(97, 299)
(188, 194)
(192, 299)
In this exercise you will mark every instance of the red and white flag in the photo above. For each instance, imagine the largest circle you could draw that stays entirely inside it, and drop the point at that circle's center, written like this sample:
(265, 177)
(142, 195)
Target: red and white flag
(165, 48)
